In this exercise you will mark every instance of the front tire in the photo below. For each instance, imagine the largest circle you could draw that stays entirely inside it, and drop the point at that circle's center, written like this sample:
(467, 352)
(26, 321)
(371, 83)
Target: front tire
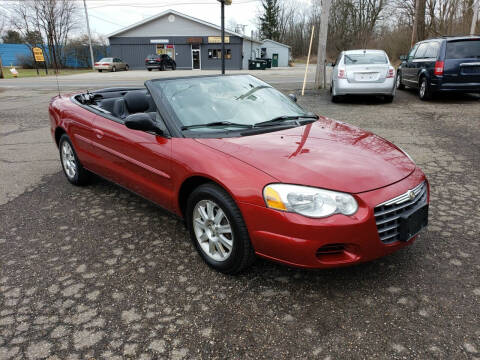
(126, 67)
(424, 91)
(217, 230)
(162, 67)
(72, 168)
(174, 66)
(99, 70)
(149, 69)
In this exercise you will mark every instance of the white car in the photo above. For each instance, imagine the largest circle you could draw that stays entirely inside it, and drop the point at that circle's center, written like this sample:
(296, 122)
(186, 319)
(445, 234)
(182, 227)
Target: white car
(363, 72)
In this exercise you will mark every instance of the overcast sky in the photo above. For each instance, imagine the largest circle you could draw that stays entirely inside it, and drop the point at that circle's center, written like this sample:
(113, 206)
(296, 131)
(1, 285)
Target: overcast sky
(107, 16)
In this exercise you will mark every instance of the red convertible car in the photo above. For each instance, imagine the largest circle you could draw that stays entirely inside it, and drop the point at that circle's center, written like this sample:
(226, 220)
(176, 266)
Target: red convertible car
(249, 170)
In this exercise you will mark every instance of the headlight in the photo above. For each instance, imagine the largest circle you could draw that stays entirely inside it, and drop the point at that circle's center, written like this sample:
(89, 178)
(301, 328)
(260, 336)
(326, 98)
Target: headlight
(308, 201)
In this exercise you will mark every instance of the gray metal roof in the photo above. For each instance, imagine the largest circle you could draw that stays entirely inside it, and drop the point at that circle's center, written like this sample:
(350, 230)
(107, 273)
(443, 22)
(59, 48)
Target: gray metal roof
(185, 16)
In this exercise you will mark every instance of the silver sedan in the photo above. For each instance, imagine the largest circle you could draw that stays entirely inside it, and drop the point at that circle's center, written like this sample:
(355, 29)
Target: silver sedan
(363, 72)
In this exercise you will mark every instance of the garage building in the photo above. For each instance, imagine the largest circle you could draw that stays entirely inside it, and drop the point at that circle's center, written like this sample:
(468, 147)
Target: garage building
(278, 52)
(191, 42)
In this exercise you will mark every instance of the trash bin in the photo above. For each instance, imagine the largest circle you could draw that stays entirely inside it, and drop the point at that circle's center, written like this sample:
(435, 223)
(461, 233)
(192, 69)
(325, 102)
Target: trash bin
(257, 64)
(269, 62)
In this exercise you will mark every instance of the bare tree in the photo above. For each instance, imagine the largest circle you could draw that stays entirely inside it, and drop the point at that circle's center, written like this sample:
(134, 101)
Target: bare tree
(52, 19)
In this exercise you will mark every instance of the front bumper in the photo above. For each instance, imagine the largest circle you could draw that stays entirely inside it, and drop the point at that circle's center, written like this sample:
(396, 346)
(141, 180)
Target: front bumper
(299, 241)
(343, 87)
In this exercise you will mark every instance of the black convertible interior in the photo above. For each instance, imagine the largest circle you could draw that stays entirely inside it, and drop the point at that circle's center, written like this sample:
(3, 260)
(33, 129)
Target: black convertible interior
(120, 103)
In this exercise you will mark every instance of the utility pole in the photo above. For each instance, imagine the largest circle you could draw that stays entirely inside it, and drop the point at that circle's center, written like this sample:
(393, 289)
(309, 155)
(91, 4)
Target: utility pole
(223, 3)
(421, 19)
(89, 35)
(475, 16)
(322, 44)
(418, 31)
(415, 23)
(223, 37)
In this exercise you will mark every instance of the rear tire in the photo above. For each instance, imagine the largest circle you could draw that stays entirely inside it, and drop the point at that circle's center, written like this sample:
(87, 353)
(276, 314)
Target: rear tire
(71, 165)
(424, 92)
(99, 70)
(233, 251)
(335, 98)
(388, 98)
(398, 82)
(149, 69)
(162, 67)
(174, 66)
(114, 69)
(126, 67)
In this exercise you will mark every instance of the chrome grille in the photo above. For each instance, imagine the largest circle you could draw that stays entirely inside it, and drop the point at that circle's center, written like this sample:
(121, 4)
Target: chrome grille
(387, 214)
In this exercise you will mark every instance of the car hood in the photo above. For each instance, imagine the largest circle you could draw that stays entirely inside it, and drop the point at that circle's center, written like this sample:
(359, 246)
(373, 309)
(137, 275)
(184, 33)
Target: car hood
(327, 154)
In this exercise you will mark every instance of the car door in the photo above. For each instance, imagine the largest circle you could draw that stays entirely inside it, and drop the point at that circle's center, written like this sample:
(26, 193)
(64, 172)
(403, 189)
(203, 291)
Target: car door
(462, 61)
(121, 64)
(420, 61)
(408, 67)
(137, 160)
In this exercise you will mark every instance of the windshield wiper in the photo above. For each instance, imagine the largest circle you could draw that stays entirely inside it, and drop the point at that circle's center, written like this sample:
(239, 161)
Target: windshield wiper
(280, 119)
(216, 123)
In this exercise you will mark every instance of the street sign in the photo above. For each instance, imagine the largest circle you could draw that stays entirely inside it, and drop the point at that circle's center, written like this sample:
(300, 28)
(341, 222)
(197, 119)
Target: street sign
(38, 54)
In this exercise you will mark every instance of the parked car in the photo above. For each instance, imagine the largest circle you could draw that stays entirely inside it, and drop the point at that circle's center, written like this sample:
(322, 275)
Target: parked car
(249, 170)
(160, 62)
(442, 65)
(110, 64)
(363, 72)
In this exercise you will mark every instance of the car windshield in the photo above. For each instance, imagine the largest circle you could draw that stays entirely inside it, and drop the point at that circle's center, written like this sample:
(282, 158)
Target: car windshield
(231, 102)
(106, 60)
(365, 59)
(463, 49)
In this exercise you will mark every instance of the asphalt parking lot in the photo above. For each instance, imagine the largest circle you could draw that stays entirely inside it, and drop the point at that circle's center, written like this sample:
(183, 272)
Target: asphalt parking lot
(97, 272)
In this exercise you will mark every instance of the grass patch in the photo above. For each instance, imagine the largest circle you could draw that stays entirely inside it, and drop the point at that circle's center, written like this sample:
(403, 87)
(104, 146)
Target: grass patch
(22, 73)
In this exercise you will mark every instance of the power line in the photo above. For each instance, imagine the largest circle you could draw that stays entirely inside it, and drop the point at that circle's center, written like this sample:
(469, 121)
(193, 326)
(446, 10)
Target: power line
(111, 22)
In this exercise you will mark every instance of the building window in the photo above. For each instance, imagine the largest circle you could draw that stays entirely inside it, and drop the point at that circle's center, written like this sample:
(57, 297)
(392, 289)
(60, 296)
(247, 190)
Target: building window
(217, 54)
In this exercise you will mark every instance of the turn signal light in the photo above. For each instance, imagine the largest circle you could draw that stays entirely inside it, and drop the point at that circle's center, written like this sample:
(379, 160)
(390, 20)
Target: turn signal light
(439, 68)
(273, 199)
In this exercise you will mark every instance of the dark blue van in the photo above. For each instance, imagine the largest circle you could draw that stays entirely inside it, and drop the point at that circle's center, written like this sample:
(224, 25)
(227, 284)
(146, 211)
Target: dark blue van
(443, 64)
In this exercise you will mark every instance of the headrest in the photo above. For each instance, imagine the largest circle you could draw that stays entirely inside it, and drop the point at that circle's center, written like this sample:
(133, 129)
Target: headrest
(136, 101)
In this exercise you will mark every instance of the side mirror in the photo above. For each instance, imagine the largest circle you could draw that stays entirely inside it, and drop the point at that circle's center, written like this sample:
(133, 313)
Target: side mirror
(332, 64)
(403, 57)
(293, 97)
(142, 122)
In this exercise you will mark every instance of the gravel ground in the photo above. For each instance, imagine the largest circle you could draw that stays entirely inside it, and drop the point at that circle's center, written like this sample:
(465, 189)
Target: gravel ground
(97, 272)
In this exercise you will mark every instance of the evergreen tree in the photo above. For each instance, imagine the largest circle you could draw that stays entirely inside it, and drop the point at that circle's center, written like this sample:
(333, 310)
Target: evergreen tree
(12, 37)
(269, 20)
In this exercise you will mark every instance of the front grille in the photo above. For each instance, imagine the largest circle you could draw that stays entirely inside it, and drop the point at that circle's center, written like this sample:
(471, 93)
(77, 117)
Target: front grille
(387, 214)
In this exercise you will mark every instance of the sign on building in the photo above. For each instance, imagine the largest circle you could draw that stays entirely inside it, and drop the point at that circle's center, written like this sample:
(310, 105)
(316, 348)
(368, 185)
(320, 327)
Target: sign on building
(218, 39)
(159, 41)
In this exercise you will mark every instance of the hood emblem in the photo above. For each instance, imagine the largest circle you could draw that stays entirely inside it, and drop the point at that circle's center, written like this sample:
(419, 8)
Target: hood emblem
(411, 194)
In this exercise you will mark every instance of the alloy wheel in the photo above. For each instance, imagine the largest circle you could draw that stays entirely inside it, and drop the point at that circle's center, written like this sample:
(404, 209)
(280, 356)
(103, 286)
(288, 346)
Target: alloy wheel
(398, 83)
(213, 231)
(68, 160)
(423, 88)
